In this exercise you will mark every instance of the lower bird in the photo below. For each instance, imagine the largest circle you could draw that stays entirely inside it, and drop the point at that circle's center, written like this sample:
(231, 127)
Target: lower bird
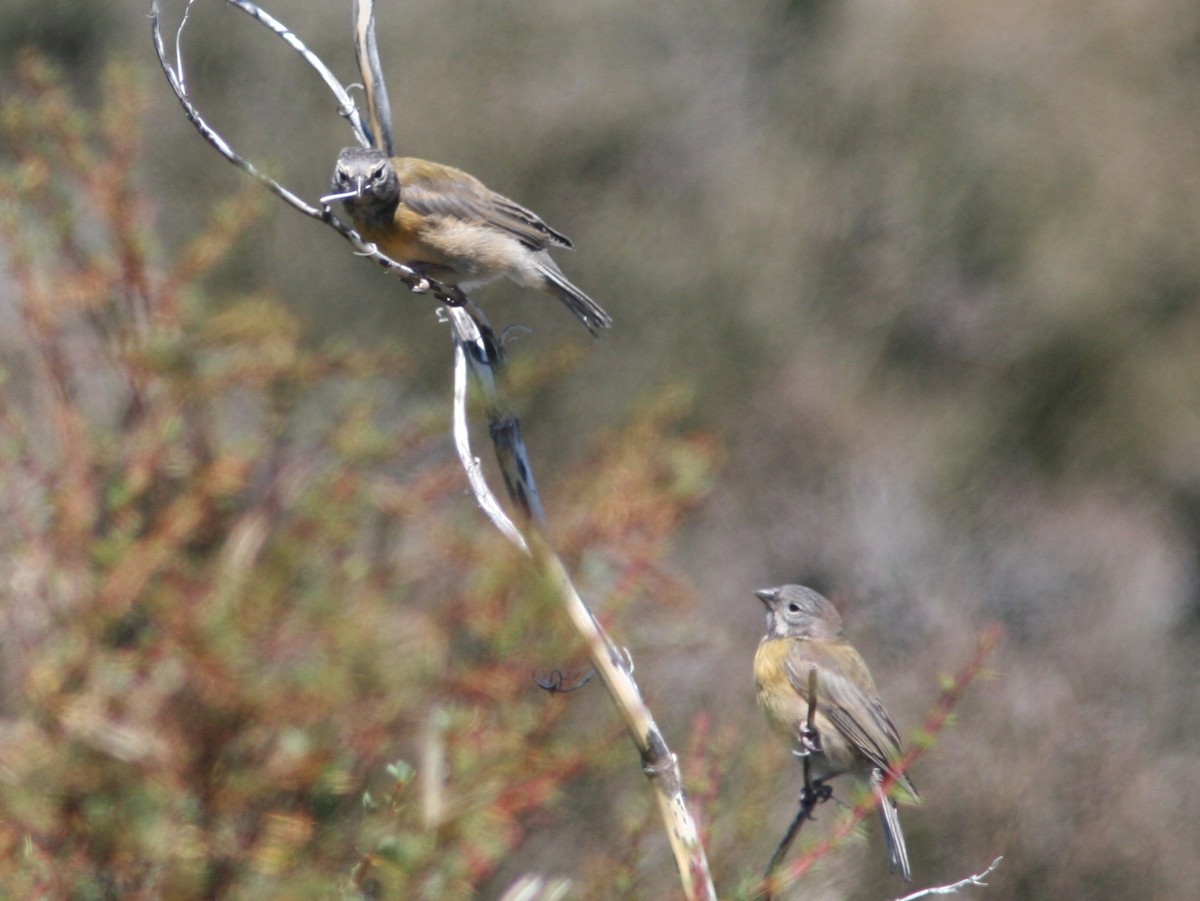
(853, 734)
(447, 225)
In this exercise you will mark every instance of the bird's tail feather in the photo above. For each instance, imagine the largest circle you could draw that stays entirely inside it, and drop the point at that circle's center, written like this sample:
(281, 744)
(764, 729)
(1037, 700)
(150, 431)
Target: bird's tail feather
(590, 313)
(893, 835)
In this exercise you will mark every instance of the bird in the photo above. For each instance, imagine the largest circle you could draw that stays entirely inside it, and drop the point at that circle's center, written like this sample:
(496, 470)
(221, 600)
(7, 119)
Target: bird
(854, 735)
(447, 225)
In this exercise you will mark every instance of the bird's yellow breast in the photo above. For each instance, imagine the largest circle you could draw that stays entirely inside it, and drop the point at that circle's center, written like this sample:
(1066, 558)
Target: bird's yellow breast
(785, 707)
(402, 239)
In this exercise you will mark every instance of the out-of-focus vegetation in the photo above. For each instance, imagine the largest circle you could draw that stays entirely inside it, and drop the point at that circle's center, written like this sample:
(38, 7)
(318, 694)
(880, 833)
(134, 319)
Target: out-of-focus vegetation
(257, 640)
(928, 270)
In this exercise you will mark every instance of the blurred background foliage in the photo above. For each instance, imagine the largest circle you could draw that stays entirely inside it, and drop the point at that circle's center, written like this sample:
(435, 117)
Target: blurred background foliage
(906, 303)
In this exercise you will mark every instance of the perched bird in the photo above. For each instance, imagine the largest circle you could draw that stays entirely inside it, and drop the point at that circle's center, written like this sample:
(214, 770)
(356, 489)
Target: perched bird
(448, 226)
(854, 734)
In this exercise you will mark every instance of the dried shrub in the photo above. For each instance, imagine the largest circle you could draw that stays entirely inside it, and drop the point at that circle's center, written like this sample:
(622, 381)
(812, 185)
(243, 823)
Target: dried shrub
(258, 642)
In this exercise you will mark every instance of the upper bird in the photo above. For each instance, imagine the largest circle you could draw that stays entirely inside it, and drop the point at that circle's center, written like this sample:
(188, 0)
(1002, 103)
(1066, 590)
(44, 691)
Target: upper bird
(448, 225)
(854, 734)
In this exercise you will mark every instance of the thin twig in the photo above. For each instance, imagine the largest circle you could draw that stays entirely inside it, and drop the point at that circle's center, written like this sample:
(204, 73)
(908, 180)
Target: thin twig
(379, 111)
(187, 11)
(810, 796)
(954, 887)
(416, 282)
(346, 106)
(810, 723)
(209, 133)
(556, 681)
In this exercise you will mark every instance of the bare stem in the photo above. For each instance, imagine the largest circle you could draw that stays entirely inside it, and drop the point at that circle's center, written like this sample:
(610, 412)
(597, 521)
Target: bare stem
(810, 797)
(477, 349)
(954, 887)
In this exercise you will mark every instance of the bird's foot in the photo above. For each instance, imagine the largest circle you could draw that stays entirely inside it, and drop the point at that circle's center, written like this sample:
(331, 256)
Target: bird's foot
(428, 279)
(817, 793)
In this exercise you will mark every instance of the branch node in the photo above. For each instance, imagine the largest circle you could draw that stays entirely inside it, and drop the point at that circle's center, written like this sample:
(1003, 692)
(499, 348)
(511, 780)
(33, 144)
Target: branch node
(662, 767)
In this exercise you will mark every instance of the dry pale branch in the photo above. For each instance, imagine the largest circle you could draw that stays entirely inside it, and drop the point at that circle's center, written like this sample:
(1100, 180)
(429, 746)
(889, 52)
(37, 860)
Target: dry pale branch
(378, 108)
(476, 347)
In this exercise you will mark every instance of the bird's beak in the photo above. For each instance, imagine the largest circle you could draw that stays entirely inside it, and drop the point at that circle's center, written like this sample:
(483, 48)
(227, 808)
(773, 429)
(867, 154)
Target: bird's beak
(346, 195)
(767, 595)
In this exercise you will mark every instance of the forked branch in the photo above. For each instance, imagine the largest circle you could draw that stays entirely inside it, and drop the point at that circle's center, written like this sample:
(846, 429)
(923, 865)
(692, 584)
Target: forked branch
(476, 348)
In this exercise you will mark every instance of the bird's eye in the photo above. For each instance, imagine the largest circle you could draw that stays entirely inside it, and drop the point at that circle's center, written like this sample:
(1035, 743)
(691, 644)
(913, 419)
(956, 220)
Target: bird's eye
(793, 608)
(377, 172)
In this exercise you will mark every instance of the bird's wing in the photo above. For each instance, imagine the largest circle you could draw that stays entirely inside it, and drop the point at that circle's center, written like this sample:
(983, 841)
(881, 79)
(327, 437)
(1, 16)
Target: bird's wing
(451, 192)
(854, 711)
(526, 225)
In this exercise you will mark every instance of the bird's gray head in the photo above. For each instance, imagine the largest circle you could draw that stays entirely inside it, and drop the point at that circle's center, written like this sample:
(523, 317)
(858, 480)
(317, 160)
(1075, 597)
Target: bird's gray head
(794, 611)
(364, 179)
